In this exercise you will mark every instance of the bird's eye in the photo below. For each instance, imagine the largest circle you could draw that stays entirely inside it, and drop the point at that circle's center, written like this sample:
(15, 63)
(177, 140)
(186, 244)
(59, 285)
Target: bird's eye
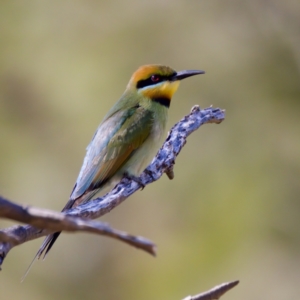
(155, 78)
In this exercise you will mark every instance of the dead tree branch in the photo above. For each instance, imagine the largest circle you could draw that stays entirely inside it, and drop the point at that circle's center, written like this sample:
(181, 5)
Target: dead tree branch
(53, 221)
(162, 163)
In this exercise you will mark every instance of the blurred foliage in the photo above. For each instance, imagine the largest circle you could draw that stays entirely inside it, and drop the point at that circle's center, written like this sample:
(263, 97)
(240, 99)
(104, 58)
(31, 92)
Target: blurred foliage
(232, 211)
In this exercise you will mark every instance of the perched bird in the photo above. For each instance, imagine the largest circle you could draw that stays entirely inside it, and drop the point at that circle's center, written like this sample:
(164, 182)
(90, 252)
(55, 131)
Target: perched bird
(128, 136)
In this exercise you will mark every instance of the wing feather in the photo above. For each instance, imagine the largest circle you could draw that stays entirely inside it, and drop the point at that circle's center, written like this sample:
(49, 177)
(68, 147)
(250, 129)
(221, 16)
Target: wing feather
(115, 140)
(122, 145)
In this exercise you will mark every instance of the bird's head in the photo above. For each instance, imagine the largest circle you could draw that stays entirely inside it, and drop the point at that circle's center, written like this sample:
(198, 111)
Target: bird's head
(157, 81)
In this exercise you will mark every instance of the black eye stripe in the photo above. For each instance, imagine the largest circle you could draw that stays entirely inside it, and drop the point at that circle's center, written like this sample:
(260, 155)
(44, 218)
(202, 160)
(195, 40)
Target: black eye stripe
(147, 82)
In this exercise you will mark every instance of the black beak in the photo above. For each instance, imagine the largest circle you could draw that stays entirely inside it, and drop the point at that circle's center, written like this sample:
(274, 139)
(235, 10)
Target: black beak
(186, 73)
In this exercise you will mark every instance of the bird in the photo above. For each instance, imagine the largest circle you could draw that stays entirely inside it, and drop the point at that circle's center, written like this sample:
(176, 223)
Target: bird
(127, 138)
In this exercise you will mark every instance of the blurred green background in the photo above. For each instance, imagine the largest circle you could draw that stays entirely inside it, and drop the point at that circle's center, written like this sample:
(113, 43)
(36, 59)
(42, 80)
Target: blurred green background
(233, 209)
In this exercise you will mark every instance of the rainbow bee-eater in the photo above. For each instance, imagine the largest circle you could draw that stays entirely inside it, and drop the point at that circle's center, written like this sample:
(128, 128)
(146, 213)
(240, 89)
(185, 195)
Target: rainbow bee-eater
(127, 138)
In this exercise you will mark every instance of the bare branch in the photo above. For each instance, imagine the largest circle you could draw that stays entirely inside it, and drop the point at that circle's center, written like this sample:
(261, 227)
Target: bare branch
(162, 163)
(215, 293)
(54, 221)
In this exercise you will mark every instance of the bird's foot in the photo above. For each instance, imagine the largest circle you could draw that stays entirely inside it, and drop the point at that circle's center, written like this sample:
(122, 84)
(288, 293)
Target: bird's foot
(136, 179)
(148, 172)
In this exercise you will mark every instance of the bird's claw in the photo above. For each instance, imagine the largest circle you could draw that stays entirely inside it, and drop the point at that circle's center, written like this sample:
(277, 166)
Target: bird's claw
(136, 179)
(148, 172)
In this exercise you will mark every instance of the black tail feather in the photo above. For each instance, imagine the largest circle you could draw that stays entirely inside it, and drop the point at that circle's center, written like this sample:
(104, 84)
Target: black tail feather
(47, 244)
(52, 238)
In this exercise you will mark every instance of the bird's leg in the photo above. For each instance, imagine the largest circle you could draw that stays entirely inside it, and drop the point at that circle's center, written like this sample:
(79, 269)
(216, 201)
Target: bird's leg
(134, 178)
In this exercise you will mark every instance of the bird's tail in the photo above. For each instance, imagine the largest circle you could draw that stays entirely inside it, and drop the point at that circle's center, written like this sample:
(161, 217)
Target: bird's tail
(50, 239)
(47, 244)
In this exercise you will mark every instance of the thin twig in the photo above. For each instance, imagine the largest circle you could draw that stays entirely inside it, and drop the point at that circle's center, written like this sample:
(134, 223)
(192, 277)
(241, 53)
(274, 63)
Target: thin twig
(215, 293)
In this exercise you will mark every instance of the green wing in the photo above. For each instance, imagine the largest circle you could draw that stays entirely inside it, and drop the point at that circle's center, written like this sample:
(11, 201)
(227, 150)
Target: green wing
(114, 142)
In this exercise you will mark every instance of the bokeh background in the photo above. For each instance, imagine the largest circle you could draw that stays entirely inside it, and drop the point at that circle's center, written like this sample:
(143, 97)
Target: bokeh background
(233, 209)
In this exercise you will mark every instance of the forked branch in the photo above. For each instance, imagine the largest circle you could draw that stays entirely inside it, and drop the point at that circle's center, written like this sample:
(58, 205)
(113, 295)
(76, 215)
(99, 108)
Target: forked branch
(43, 221)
